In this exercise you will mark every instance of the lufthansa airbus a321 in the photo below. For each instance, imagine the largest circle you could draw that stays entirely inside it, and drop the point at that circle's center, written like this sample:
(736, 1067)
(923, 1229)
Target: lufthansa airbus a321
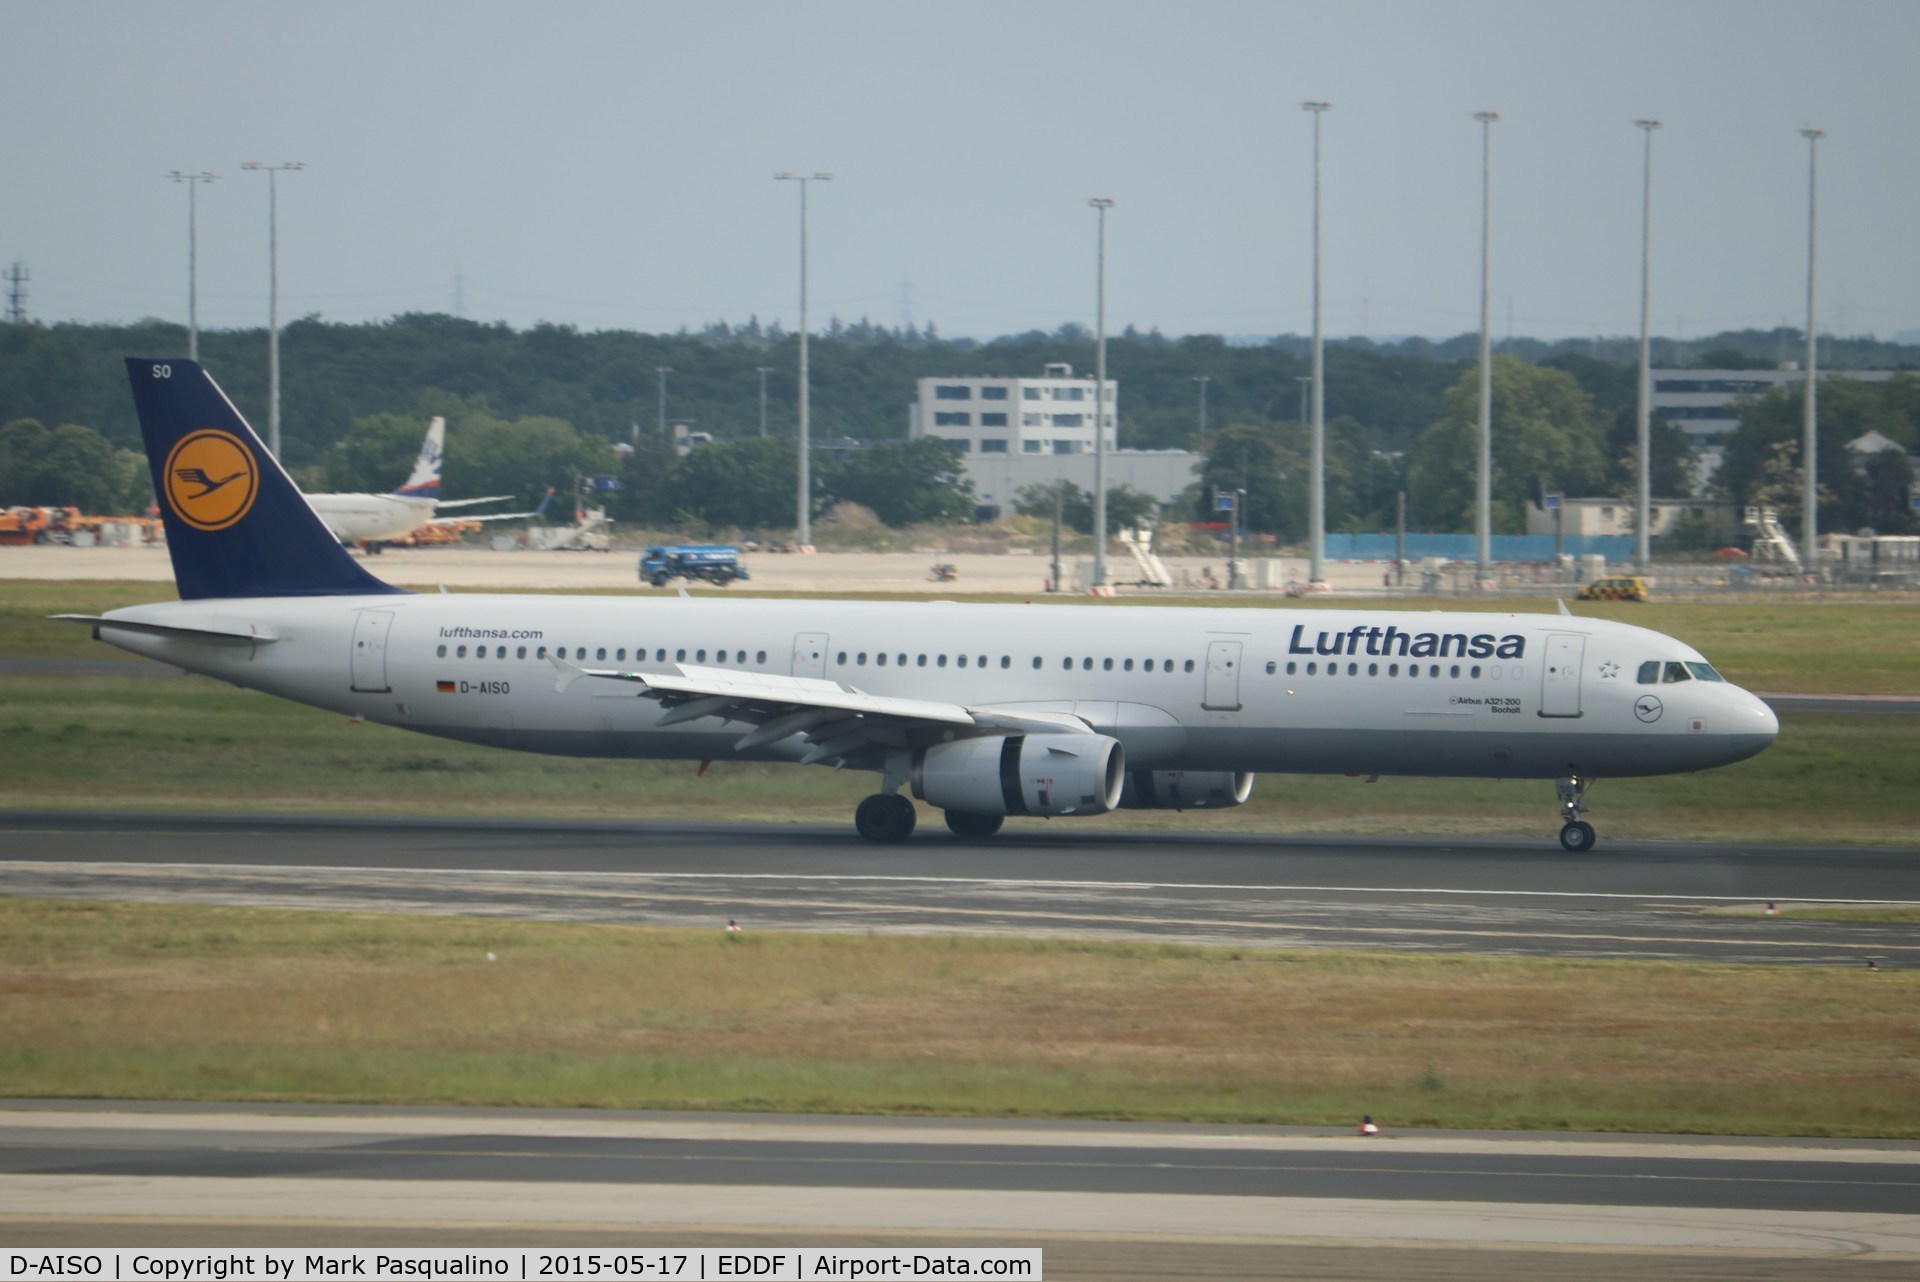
(983, 711)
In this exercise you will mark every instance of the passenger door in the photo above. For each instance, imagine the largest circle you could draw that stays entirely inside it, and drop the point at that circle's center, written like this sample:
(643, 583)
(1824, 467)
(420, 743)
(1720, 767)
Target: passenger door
(1223, 677)
(1560, 676)
(370, 651)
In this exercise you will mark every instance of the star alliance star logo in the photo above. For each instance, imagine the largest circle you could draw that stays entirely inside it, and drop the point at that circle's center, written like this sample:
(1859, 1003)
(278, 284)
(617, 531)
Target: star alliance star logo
(1609, 670)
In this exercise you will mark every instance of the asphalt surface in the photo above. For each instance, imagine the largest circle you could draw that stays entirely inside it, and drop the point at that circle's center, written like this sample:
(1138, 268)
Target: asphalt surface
(1648, 900)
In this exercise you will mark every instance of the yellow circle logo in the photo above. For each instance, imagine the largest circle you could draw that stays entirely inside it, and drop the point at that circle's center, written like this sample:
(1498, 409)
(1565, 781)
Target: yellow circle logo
(211, 479)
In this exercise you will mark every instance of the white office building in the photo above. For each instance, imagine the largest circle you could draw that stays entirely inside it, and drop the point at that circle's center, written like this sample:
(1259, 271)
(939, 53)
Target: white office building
(1052, 414)
(1700, 402)
(1017, 432)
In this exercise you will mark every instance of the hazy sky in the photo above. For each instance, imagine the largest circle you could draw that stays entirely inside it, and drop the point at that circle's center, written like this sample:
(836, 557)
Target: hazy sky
(609, 165)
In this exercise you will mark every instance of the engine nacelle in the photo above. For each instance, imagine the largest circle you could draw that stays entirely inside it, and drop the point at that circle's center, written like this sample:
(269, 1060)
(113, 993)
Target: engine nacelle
(1047, 774)
(1185, 789)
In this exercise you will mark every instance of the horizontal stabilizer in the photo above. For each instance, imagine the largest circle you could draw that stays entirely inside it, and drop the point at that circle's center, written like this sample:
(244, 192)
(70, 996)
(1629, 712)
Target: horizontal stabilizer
(249, 634)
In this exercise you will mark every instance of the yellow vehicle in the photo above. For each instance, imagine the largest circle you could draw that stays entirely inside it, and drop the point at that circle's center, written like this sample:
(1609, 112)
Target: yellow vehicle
(1626, 588)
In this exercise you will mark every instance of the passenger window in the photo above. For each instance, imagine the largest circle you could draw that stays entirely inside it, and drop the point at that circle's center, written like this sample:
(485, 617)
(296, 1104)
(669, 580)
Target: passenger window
(441, 653)
(1006, 661)
(1036, 663)
(699, 656)
(541, 653)
(841, 658)
(1455, 672)
(1189, 665)
(1678, 672)
(881, 659)
(760, 656)
(1474, 672)
(660, 655)
(1272, 667)
(861, 660)
(1106, 665)
(1373, 669)
(1312, 669)
(680, 655)
(1149, 665)
(939, 660)
(962, 660)
(1086, 664)
(461, 653)
(1433, 669)
(600, 655)
(580, 652)
(1292, 666)
(1393, 669)
(1353, 669)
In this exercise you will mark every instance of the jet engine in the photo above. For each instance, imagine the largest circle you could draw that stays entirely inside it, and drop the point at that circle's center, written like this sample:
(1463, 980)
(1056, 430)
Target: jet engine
(1185, 789)
(1048, 774)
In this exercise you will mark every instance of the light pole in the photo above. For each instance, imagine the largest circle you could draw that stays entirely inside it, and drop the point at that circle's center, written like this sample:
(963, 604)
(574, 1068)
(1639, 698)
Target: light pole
(662, 371)
(803, 522)
(1101, 205)
(1203, 380)
(763, 371)
(1810, 480)
(1643, 512)
(1305, 381)
(193, 182)
(1317, 454)
(1483, 487)
(273, 297)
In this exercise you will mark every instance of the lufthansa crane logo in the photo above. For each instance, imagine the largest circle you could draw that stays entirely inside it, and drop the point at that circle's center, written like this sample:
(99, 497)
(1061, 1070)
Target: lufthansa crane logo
(211, 479)
(1647, 707)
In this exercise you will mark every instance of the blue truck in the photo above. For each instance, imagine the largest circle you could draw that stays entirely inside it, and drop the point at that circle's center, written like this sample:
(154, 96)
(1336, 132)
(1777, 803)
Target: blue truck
(709, 562)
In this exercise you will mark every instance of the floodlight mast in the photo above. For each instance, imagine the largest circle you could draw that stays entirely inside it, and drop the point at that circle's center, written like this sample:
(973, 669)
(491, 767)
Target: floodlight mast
(273, 296)
(1483, 486)
(803, 516)
(193, 182)
(1643, 509)
(1101, 205)
(1810, 471)
(1317, 489)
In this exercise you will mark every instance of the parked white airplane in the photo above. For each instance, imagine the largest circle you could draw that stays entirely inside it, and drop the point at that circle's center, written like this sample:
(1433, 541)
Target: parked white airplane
(374, 519)
(982, 710)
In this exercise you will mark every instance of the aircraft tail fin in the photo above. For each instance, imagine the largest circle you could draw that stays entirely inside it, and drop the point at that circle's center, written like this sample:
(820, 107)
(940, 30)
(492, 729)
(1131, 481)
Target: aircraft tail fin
(237, 525)
(425, 481)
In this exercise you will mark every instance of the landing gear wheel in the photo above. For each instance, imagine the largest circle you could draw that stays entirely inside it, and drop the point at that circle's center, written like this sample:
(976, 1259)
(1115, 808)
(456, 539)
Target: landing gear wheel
(972, 823)
(886, 818)
(1577, 836)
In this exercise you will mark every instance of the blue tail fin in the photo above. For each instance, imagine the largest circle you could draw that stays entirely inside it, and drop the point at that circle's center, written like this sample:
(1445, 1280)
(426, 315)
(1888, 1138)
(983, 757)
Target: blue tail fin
(237, 526)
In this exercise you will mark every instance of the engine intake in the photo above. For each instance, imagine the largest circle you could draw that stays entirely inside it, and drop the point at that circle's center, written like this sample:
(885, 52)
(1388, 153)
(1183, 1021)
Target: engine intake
(1185, 789)
(1052, 774)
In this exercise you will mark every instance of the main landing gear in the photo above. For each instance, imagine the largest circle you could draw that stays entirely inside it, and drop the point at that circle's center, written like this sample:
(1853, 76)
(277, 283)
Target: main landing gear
(885, 817)
(888, 818)
(1576, 834)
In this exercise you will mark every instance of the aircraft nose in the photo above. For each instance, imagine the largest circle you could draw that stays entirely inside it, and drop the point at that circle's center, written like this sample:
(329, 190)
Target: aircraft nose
(1765, 720)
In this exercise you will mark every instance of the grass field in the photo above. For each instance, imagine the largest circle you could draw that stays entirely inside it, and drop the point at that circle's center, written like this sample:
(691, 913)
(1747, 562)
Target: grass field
(226, 1004)
(108, 742)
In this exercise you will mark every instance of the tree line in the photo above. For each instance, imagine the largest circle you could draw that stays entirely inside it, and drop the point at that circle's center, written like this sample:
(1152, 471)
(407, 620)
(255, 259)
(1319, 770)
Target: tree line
(550, 405)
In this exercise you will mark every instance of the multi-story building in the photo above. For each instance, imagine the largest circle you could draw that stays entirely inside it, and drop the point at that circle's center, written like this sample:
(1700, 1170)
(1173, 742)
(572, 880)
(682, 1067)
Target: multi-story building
(1700, 401)
(1052, 414)
(1017, 432)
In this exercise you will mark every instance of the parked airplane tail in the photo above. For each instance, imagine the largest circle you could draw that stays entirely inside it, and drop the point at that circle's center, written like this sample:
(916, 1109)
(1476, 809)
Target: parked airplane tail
(425, 481)
(237, 525)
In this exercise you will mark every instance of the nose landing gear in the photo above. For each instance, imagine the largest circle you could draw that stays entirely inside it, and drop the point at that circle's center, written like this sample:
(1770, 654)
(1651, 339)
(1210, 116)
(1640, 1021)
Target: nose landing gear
(1576, 834)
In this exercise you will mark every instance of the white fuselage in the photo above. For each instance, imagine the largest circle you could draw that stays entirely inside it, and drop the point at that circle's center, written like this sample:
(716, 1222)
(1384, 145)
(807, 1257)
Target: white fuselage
(372, 518)
(1282, 690)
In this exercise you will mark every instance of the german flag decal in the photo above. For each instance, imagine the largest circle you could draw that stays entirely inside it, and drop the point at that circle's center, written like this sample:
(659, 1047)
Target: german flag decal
(444, 687)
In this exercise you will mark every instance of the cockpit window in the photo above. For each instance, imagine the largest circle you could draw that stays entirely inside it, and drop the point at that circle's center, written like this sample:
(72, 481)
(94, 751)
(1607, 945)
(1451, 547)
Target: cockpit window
(1704, 671)
(1677, 672)
(1650, 672)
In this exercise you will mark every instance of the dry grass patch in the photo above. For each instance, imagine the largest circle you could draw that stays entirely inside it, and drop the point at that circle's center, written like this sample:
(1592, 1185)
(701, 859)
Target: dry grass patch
(175, 1002)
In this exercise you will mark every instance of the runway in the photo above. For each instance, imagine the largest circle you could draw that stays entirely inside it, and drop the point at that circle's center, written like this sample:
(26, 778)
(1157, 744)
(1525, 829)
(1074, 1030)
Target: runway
(1106, 1201)
(1103, 1201)
(1646, 900)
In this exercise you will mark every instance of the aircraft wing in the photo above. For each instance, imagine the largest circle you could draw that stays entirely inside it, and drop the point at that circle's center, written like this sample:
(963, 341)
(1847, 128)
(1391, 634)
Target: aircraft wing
(491, 498)
(491, 516)
(838, 721)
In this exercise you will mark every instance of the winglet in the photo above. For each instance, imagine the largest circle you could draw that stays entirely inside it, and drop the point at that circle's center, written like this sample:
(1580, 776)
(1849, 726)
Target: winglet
(1563, 608)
